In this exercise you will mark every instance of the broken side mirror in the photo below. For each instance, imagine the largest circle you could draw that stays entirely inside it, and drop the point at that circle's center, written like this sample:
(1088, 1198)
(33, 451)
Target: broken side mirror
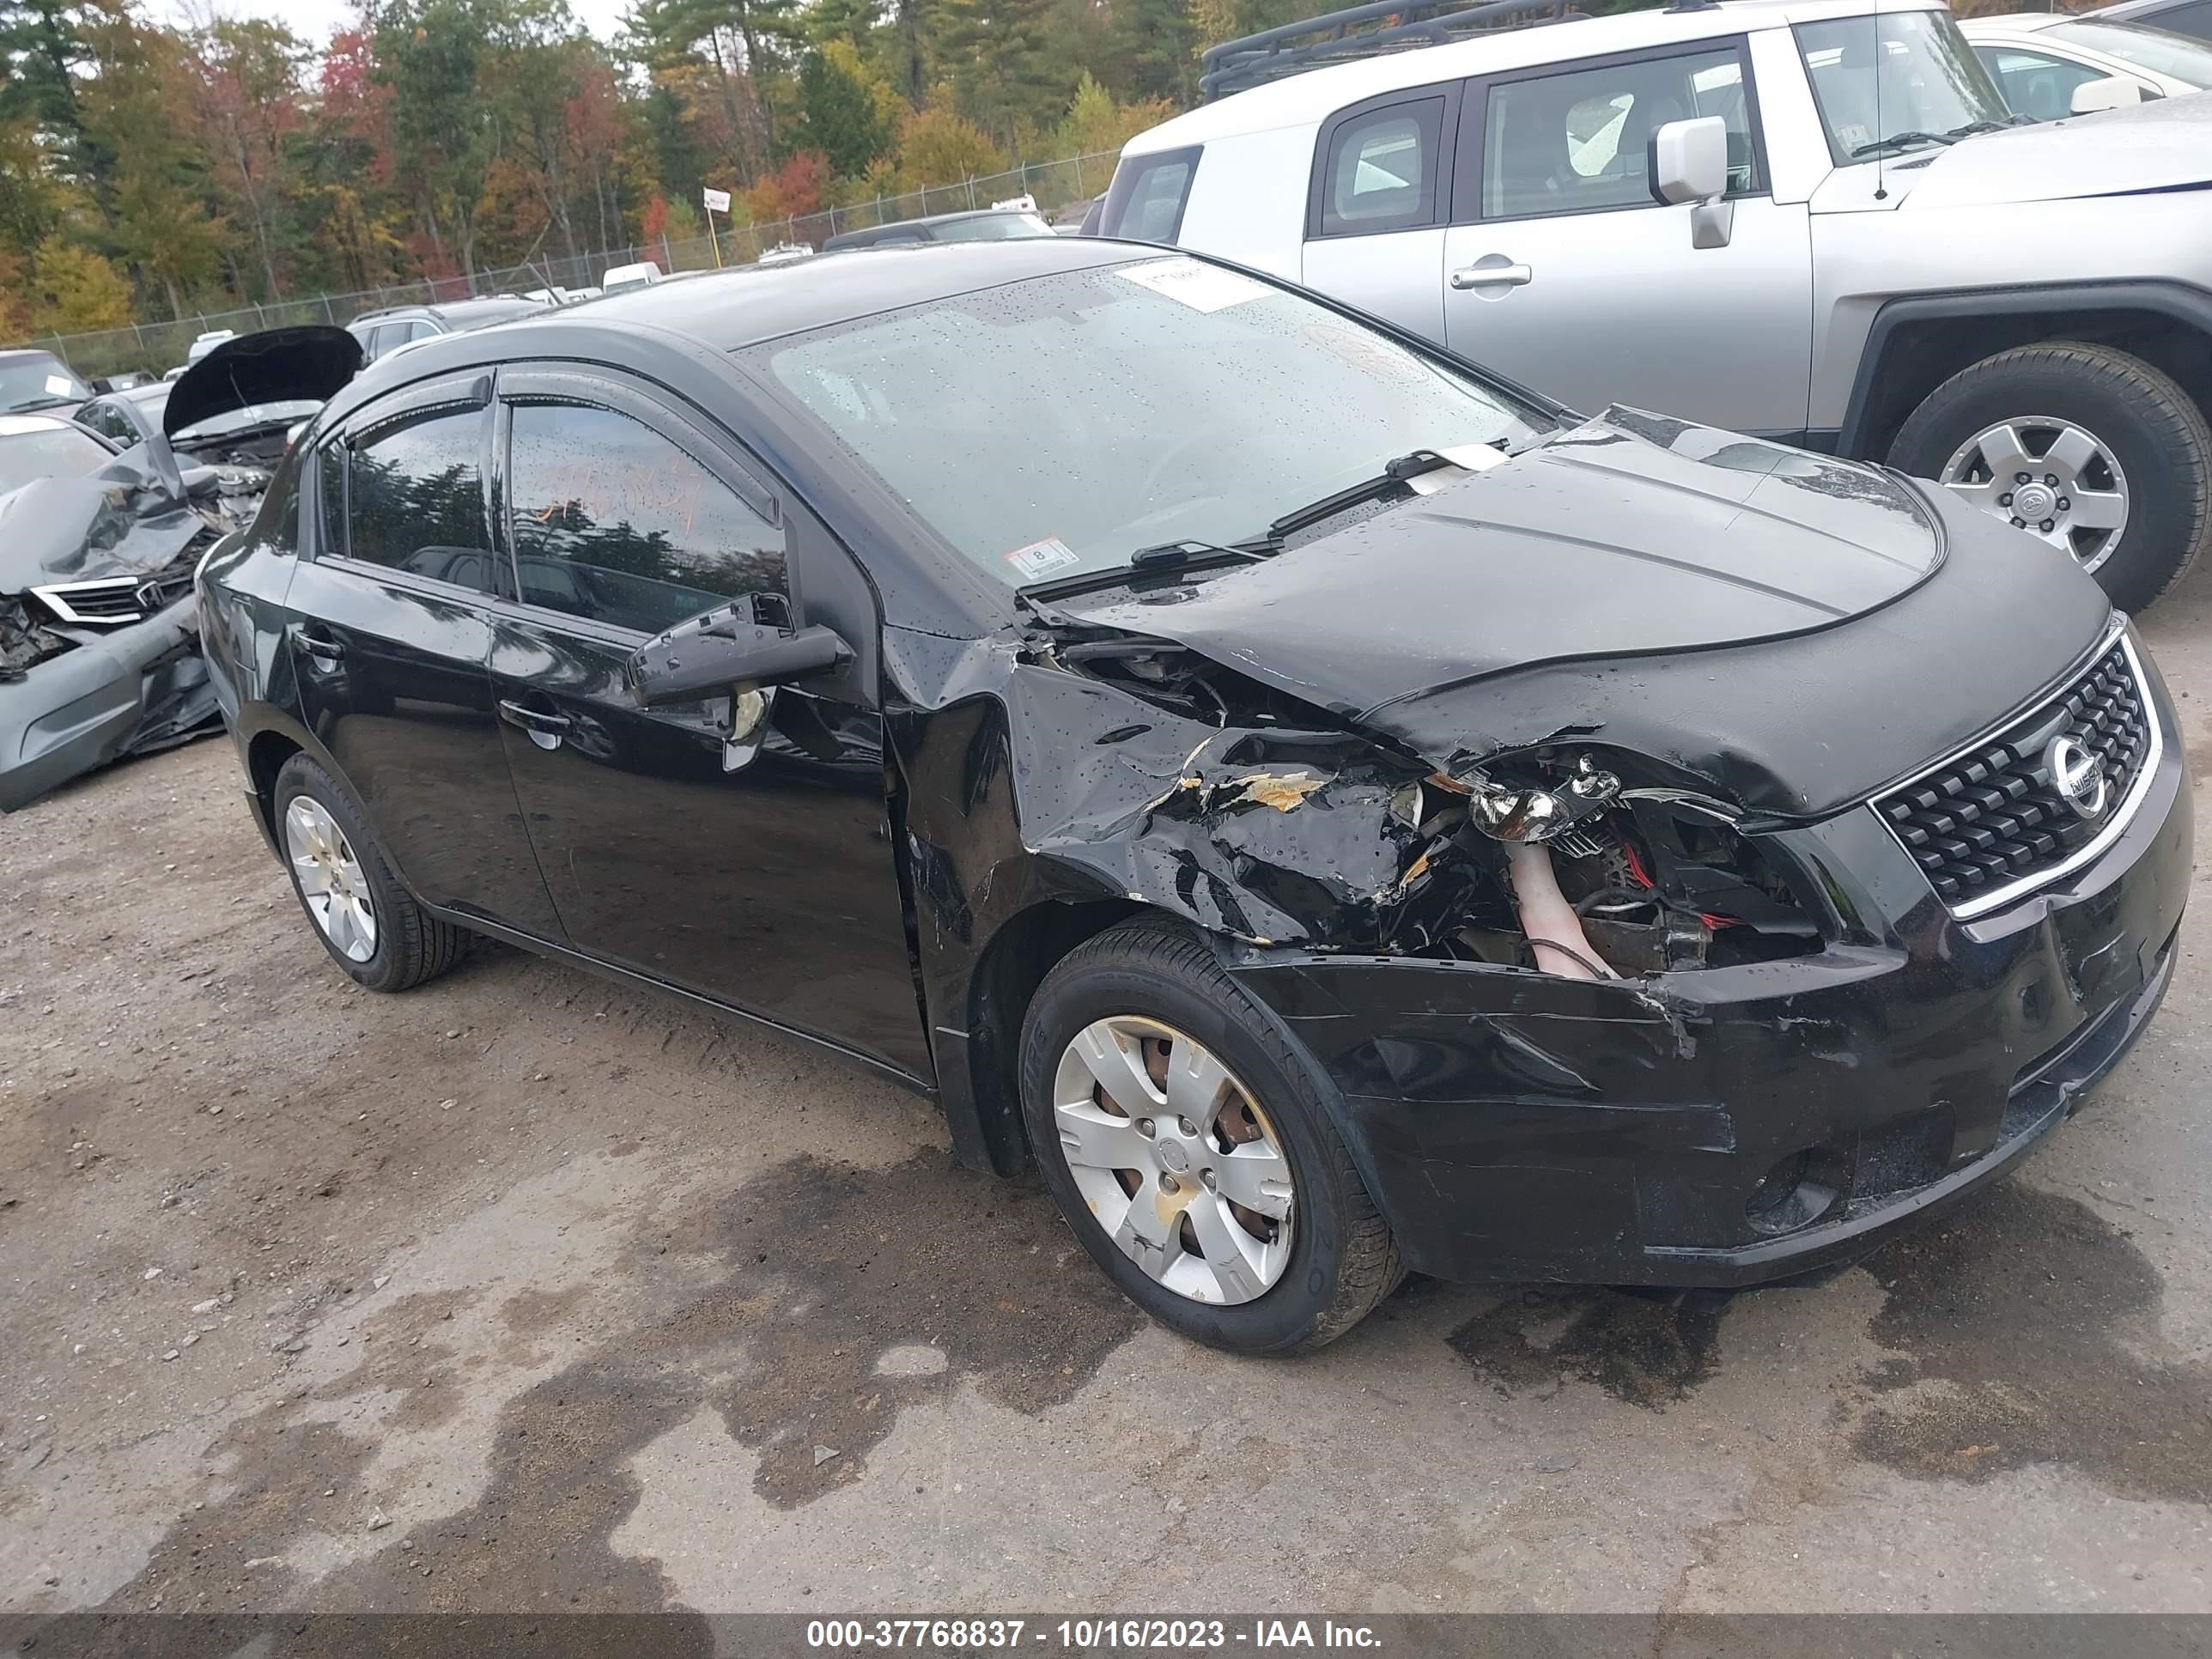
(1688, 162)
(727, 652)
(2111, 92)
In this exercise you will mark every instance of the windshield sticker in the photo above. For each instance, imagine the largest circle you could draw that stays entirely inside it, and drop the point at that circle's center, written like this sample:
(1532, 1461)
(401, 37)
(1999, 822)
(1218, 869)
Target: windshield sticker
(1040, 559)
(1201, 287)
(57, 385)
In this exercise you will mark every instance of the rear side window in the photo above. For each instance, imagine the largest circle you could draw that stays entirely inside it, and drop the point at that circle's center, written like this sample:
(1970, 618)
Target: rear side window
(1146, 199)
(1579, 142)
(615, 523)
(415, 498)
(1380, 172)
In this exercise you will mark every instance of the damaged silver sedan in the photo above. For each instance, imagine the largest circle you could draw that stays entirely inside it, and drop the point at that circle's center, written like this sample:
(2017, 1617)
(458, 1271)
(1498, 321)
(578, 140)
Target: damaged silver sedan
(1335, 811)
(103, 520)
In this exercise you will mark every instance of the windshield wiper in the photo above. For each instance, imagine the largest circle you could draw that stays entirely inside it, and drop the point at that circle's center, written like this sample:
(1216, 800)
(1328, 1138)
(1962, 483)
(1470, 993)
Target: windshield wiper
(1903, 140)
(1972, 128)
(37, 403)
(1161, 557)
(1394, 475)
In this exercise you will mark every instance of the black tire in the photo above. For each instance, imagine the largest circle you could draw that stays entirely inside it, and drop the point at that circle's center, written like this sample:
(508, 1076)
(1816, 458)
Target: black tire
(2159, 436)
(1343, 1260)
(412, 944)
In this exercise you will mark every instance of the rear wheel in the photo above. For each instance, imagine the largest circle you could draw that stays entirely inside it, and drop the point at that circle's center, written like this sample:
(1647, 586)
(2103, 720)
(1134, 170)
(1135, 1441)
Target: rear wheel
(1188, 1141)
(2091, 449)
(370, 925)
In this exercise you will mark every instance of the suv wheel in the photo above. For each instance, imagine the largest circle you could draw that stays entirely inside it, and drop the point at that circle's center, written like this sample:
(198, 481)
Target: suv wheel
(2091, 449)
(368, 922)
(1187, 1139)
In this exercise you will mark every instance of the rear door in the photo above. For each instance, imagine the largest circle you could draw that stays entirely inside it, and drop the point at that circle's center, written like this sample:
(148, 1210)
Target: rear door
(752, 865)
(1562, 271)
(389, 636)
(1377, 205)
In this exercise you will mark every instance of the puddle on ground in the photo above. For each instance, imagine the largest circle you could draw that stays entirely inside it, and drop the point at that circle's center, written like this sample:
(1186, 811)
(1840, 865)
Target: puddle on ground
(1648, 1348)
(950, 1276)
(2024, 1333)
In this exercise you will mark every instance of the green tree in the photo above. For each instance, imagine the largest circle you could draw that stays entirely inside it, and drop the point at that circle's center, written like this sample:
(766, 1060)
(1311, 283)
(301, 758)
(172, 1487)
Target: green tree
(850, 112)
(939, 145)
(998, 57)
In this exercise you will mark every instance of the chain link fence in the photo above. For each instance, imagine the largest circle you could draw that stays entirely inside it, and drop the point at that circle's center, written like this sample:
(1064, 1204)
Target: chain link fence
(153, 348)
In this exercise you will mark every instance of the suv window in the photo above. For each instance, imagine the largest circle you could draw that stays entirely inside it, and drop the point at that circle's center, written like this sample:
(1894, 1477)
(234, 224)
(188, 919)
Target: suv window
(614, 522)
(108, 421)
(1145, 201)
(1578, 141)
(2034, 84)
(415, 497)
(1381, 171)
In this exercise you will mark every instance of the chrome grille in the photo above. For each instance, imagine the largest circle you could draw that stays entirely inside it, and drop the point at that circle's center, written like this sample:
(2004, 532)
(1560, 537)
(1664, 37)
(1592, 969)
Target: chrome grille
(1991, 824)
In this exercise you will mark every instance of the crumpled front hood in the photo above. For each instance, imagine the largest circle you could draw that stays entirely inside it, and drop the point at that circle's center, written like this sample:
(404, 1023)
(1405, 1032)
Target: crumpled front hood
(2160, 146)
(1630, 535)
(72, 529)
(280, 365)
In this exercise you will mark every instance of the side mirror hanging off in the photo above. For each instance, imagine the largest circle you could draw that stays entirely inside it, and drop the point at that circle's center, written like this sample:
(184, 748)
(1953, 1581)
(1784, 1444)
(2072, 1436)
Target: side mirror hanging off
(724, 652)
(1688, 162)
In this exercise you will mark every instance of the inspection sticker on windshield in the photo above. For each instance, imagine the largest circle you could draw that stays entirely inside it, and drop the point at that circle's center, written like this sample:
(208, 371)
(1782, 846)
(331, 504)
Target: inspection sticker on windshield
(58, 386)
(1040, 559)
(1201, 287)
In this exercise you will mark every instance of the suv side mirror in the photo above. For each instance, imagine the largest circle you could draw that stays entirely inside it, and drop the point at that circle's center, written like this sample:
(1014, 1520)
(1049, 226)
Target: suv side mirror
(724, 652)
(2112, 92)
(1688, 162)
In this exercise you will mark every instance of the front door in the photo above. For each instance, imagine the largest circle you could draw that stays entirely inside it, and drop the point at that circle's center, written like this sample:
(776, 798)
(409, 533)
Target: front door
(389, 639)
(753, 864)
(1561, 271)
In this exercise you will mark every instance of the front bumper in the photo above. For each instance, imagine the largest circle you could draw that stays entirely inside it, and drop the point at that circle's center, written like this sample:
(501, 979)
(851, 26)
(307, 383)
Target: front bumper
(138, 688)
(1735, 1125)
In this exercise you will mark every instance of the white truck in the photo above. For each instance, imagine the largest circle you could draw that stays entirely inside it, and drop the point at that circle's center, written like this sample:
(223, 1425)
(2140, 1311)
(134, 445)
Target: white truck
(1813, 219)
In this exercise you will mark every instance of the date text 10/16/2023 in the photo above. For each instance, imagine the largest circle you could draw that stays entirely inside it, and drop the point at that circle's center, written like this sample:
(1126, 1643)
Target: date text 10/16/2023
(1089, 1635)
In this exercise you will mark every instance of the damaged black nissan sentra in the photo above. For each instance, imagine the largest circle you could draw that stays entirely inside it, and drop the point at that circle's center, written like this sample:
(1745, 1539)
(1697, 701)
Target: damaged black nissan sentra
(1337, 812)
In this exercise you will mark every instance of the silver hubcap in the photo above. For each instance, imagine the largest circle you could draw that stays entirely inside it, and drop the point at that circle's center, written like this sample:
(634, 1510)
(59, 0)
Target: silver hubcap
(1174, 1159)
(331, 879)
(2049, 477)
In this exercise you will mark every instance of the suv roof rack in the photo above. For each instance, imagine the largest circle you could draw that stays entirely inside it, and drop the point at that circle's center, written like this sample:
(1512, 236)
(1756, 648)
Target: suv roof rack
(1338, 37)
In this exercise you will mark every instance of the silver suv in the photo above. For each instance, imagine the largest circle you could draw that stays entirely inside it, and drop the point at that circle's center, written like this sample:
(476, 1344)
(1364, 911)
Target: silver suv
(1804, 218)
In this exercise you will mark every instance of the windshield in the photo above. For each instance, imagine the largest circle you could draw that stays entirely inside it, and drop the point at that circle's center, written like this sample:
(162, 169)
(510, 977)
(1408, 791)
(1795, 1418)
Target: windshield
(1060, 424)
(2156, 50)
(39, 382)
(991, 228)
(1929, 86)
(61, 451)
(247, 418)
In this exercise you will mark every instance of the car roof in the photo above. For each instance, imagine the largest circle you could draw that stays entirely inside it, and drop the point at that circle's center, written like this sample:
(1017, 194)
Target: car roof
(2128, 10)
(150, 392)
(1304, 99)
(2011, 22)
(16, 426)
(30, 353)
(743, 305)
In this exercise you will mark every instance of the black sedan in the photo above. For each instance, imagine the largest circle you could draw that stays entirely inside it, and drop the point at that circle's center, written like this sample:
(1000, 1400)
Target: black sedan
(1337, 812)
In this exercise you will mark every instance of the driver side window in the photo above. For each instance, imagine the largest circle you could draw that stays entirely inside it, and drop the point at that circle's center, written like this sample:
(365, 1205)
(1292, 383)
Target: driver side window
(615, 523)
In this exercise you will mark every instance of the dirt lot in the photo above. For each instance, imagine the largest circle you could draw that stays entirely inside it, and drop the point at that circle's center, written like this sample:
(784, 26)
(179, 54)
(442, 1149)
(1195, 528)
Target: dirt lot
(521, 1292)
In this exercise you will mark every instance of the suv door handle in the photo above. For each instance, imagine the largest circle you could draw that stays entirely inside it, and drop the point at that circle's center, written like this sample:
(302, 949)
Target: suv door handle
(319, 645)
(531, 720)
(1468, 276)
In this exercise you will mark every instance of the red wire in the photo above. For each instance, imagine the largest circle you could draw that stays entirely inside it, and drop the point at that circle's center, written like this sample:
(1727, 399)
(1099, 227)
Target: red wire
(1637, 872)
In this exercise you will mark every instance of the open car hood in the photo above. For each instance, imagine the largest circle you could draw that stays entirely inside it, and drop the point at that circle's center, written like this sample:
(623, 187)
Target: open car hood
(1631, 534)
(280, 365)
(2160, 146)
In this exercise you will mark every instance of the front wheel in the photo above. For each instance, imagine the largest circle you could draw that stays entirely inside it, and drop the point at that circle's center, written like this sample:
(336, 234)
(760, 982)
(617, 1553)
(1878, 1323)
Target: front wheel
(1188, 1141)
(2092, 449)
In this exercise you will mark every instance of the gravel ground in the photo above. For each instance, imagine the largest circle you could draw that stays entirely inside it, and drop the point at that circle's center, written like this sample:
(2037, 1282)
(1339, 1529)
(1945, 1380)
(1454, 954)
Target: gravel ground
(522, 1292)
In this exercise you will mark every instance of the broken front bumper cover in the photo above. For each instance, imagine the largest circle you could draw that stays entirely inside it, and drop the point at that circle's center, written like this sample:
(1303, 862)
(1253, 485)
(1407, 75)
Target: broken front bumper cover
(136, 690)
(1729, 1126)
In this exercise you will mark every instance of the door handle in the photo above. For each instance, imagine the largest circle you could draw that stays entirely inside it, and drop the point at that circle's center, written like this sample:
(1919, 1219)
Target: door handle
(532, 721)
(319, 645)
(1468, 276)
